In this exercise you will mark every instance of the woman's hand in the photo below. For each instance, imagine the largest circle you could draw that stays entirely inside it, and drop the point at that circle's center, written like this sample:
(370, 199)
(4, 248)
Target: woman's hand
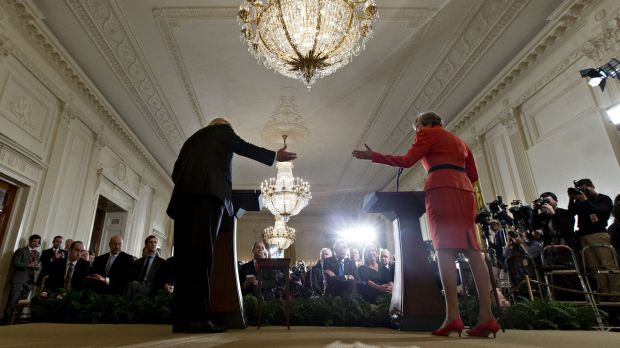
(361, 154)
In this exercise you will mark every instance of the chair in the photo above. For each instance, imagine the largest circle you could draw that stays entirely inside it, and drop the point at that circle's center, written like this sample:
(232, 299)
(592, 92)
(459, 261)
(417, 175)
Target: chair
(520, 266)
(596, 272)
(560, 263)
(23, 305)
(274, 264)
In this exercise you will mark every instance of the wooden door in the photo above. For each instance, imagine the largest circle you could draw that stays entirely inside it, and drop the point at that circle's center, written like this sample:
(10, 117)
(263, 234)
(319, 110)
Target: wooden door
(7, 198)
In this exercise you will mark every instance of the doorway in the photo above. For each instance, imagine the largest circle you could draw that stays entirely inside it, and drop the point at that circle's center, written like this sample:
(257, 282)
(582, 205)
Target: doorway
(7, 198)
(110, 220)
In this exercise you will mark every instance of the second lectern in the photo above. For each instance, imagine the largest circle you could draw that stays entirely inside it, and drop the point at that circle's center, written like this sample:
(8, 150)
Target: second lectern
(416, 294)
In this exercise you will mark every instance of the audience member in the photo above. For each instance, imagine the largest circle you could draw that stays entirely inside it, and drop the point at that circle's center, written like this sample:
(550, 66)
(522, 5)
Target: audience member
(50, 255)
(110, 271)
(68, 243)
(522, 244)
(593, 210)
(386, 261)
(340, 271)
(25, 263)
(556, 223)
(69, 273)
(248, 271)
(144, 270)
(374, 278)
(614, 228)
(315, 278)
(354, 255)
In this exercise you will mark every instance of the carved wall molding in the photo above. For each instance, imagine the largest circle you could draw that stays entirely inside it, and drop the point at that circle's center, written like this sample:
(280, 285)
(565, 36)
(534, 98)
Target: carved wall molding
(566, 20)
(606, 45)
(36, 31)
(105, 24)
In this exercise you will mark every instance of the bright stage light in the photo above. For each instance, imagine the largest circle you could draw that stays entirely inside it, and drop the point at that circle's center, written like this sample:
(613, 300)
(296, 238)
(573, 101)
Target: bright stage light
(362, 233)
(614, 114)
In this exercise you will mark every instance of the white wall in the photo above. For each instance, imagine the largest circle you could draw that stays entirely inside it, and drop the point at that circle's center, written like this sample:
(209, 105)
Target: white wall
(64, 146)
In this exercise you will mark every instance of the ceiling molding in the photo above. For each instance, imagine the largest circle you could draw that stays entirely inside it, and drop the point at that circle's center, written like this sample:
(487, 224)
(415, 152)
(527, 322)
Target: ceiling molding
(67, 67)
(564, 23)
(104, 22)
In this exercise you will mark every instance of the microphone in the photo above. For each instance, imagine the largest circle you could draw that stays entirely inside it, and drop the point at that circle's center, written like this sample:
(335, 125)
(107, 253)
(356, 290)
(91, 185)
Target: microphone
(400, 171)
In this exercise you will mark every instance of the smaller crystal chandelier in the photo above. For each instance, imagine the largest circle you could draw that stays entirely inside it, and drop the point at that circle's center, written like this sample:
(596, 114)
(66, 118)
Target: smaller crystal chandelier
(285, 195)
(279, 235)
(306, 39)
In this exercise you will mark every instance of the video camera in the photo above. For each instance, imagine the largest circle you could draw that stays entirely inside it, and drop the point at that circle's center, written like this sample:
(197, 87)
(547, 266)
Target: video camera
(573, 191)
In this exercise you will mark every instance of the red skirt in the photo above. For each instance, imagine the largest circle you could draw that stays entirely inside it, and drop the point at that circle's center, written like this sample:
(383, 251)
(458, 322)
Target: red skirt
(451, 216)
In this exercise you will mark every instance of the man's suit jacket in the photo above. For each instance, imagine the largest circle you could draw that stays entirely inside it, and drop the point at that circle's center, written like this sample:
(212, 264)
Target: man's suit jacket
(434, 146)
(48, 256)
(204, 165)
(138, 265)
(349, 268)
(58, 269)
(118, 274)
(22, 273)
(245, 270)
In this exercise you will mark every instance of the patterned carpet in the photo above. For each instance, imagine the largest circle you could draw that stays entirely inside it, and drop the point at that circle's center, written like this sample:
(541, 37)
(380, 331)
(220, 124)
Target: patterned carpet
(104, 335)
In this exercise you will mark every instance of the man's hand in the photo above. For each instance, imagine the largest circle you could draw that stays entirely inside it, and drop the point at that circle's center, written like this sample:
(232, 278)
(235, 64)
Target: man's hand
(329, 273)
(547, 209)
(361, 154)
(96, 277)
(580, 197)
(284, 156)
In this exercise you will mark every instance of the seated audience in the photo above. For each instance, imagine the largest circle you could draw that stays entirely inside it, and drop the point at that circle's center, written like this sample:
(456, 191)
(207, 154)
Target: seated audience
(69, 273)
(374, 278)
(315, 277)
(248, 271)
(340, 271)
(110, 271)
(387, 262)
(144, 270)
(354, 255)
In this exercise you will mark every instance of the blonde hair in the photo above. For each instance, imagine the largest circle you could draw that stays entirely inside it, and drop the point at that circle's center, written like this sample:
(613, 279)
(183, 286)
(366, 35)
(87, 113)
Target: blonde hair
(428, 119)
(219, 120)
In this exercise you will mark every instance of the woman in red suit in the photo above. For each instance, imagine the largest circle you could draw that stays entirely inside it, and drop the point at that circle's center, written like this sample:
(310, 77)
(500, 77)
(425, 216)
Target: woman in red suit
(450, 211)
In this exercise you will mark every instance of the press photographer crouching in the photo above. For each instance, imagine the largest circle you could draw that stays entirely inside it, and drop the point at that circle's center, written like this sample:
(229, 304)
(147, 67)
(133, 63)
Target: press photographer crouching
(522, 243)
(593, 210)
(556, 223)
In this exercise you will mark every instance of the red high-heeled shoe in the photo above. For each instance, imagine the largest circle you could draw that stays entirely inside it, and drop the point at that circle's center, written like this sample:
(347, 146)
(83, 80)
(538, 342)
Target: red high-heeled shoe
(454, 325)
(483, 330)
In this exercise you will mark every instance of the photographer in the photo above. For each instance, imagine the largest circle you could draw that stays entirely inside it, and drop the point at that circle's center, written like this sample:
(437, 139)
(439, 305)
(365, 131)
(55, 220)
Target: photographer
(593, 210)
(556, 223)
(522, 244)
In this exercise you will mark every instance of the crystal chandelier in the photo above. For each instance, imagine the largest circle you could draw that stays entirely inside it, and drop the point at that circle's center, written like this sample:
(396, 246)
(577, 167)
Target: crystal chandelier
(306, 39)
(285, 195)
(279, 235)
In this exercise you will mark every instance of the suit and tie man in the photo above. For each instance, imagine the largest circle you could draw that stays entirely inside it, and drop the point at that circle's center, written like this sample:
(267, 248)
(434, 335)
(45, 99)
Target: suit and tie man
(110, 271)
(144, 270)
(340, 271)
(386, 261)
(25, 263)
(249, 270)
(69, 273)
(203, 189)
(50, 255)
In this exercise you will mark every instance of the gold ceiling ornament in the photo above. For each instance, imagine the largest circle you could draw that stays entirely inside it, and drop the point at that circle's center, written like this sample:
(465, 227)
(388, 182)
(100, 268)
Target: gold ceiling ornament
(285, 195)
(279, 235)
(306, 39)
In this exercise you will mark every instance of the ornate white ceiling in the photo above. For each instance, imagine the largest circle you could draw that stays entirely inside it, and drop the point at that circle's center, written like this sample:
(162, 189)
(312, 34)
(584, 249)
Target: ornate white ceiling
(169, 66)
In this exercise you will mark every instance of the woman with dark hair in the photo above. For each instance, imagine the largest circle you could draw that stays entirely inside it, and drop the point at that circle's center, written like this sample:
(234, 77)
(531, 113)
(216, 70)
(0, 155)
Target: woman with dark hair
(375, 279)
(450, 210)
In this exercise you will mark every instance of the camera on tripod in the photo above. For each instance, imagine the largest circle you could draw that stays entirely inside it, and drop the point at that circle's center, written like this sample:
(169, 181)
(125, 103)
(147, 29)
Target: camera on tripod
(573, 191)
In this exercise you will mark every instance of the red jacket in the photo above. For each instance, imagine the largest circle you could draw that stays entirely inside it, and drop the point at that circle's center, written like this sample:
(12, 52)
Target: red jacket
(434, 146)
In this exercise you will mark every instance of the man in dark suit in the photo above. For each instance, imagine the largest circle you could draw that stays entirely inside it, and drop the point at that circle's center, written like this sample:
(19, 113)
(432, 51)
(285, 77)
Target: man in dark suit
(144, 270)
(50, 255)
(69, 273)
(25, 263)
(203, 188)
(340, 271)
(110, 271)
(248, 271)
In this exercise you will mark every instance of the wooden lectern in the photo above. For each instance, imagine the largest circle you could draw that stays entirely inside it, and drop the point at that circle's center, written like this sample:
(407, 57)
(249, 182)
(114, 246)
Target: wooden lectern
(226, 300)
(416, 294)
